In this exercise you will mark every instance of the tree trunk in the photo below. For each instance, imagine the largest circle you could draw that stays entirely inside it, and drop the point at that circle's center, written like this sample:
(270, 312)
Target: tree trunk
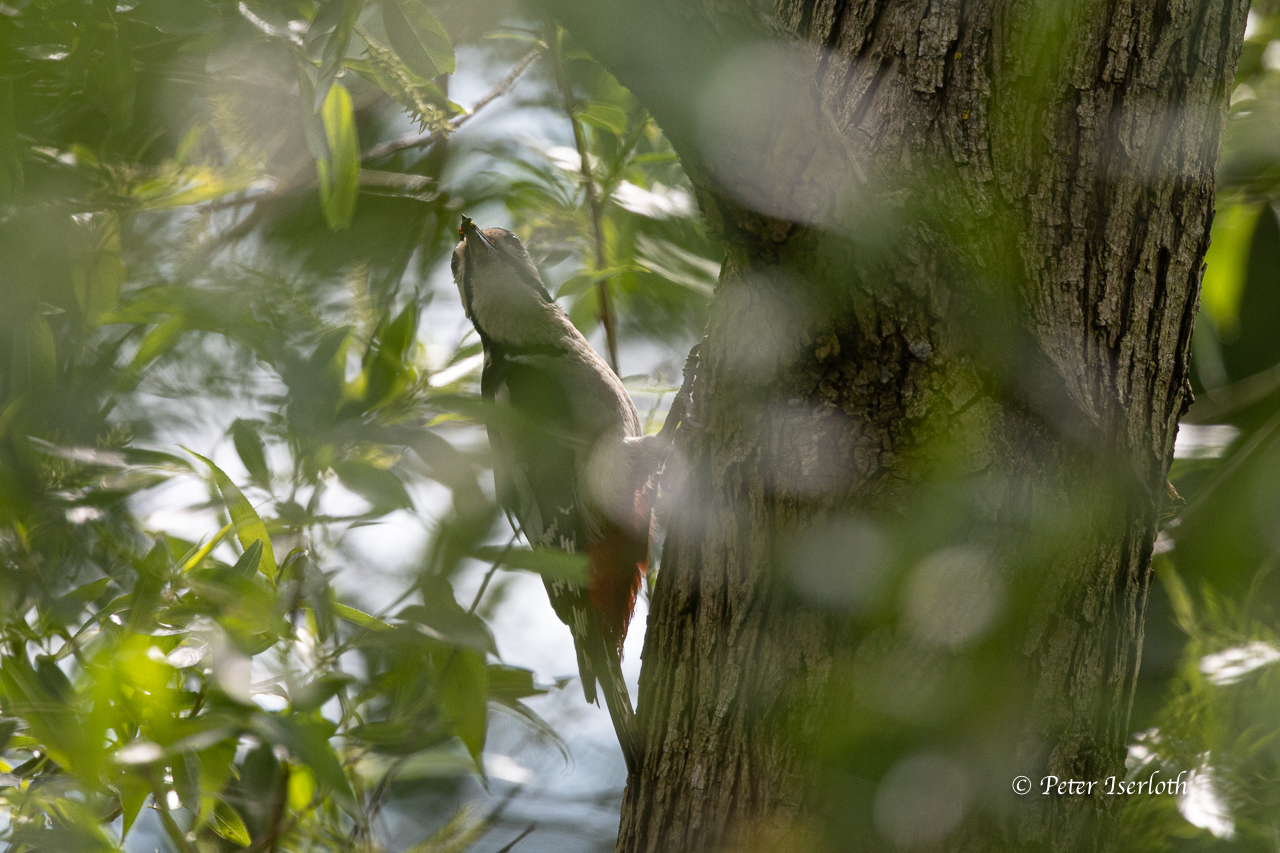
(948, 352)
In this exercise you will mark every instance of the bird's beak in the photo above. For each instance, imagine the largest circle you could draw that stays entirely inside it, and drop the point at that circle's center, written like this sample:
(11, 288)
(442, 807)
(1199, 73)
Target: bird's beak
(469, 231)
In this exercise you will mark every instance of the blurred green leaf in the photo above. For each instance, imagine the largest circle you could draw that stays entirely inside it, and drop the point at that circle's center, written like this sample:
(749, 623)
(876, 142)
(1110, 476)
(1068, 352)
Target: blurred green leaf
(308, 739)
(158, 341)
(418, 38)
(228, 824)
(334, 24)
(604, 116)
(359, 617)
(133, 794)
(339, 173)
(35, 357)
(548, 562)
(69, 606)
(319, 691)
(188, 18)
(465, 697)
(8, 726)
(205, 550)
(441, 612)
(250, 560)
(387, 367)
(381, 488)
(508, 684)
(252, 452)
(1227, 262)
(114, 81)
(248, 525)
(97, 285)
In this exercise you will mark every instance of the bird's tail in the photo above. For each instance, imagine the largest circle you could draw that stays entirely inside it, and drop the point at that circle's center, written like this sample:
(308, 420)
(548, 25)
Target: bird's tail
(605, 666)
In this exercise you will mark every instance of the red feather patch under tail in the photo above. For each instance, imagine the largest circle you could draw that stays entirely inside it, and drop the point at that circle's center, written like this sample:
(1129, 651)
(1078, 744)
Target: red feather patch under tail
(618, 559)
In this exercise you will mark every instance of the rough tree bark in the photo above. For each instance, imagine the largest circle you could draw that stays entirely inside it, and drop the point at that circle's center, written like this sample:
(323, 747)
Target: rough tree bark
(1049, 169)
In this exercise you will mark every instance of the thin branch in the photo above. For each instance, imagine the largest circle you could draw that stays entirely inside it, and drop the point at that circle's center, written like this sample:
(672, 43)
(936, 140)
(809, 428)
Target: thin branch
(521, 837)
(288, 826)
(374, 804)
(199, 703)
(273, 834)
(417, 140)
(605, 312)
(475, 602)
(410, 186)
(503, 85)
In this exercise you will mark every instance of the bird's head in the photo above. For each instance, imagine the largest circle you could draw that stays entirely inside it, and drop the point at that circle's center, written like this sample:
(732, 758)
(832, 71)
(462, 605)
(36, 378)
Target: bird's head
(499, 285)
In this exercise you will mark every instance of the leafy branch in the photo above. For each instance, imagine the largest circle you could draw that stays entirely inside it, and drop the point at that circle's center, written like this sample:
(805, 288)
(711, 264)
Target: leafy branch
(604, 312)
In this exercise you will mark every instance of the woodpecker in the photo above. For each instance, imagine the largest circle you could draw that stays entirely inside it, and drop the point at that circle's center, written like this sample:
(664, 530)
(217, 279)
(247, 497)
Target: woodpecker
(569, 456)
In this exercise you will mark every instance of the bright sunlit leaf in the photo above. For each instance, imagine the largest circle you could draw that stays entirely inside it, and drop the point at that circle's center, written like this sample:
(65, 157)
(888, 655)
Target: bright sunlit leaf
(1227, 263)
(339, 173)
(248, 525)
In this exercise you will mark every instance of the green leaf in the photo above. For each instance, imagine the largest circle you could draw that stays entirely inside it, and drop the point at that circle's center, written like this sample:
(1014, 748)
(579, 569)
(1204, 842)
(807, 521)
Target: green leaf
(158, 341)
(133, 794)
(1227, 262)
(188, 18)
(252, 452)
(249, 560)
(35, 356)
(441, 612)
(326, 20)
(198, 556)
(509, 684)
(68, 607)
(54, 680)
(8, 725)
(97, 287)
(382, 489)
(604, 116)
(359, 617)
(579, 282)
(339, 173)
(464, 695)
(114, 82)
(418, 38)
(315, 694)
(228, 824)
(389, 73)
(1179, 599)
(308, 740)
(548, 562)
(86, 593)
(387, 368)
(248, 525)
(336, 20)
(186, 778)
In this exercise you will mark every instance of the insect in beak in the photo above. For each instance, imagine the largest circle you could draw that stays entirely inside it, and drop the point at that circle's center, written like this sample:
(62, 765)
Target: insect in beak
(469, 230)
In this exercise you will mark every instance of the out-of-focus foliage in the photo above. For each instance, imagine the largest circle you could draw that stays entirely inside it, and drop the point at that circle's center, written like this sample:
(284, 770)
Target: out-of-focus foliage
(1208, 687)
(227, 224)
(226, 221)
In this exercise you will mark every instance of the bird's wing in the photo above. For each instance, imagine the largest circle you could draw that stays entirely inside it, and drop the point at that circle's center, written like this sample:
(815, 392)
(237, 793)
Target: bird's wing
(538, 448)
(537, 457)
(542, 435)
